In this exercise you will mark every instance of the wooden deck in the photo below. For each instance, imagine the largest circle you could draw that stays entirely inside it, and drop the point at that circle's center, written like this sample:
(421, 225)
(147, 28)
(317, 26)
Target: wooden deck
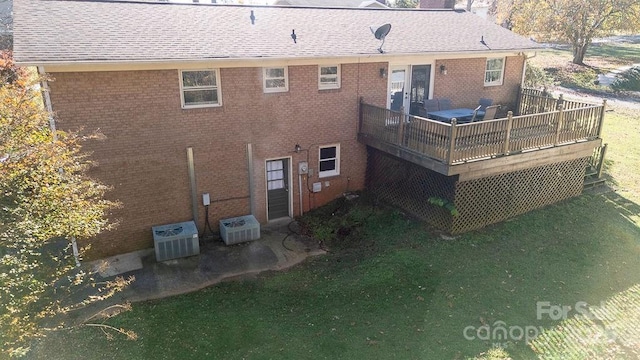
(547, 130)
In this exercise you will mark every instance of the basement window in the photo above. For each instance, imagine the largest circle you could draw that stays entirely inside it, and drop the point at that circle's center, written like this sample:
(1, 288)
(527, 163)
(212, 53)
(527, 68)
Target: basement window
(329, 161)
(200, 88)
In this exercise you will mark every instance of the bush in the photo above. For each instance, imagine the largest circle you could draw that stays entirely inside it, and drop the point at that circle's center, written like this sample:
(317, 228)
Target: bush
(628, 80)
(536, 77)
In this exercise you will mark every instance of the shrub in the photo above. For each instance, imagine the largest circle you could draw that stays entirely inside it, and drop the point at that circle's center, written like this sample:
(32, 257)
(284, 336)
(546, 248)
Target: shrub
(628, 80)
(536, 77)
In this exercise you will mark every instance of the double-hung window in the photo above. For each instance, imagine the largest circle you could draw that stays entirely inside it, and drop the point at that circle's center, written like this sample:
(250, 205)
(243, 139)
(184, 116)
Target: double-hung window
(494, 72)
(329, 77)
(329, 160)
(200, 88)
(275, 79)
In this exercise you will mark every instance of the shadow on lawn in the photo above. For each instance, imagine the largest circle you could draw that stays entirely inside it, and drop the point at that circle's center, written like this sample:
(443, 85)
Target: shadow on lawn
(603, 326)
(626, 208)
(392, 288)
(581, 250)
(583, 299)
(622, 52)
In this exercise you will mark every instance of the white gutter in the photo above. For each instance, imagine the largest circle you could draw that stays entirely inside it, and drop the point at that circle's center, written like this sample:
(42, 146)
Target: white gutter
(524, 68)
(105, 65)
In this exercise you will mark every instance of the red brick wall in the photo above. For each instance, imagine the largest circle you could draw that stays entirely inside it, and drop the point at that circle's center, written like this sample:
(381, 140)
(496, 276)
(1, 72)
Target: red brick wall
(464, 82)
(147, 133)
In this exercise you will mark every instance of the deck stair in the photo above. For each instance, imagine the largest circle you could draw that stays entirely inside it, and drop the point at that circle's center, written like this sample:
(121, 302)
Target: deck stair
(593, 173)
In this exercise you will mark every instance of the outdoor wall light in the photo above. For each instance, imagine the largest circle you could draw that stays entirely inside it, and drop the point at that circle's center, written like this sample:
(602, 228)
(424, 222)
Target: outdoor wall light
(298, 148)
(443, 70)
(383, 72)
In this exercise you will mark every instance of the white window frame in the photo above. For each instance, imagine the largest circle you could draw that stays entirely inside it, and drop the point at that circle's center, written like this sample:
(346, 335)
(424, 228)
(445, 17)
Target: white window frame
(327, 86)
(328, 173)
(265, 78)
(486, 70)
(215, 87)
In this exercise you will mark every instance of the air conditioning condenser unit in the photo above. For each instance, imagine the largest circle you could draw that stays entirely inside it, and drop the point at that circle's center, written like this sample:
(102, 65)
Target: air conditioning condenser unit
(174, 241)
(239, 229)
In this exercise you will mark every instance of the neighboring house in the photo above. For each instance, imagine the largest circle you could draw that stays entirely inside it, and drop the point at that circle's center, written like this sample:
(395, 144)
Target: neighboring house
(231, 86)
(334, 3)
(480, 8)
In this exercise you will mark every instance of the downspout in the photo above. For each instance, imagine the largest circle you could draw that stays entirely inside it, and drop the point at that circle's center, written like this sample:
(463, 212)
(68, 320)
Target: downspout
(300, 193)
(46, 99)
(192, 186)
(524, 68)
(252, 202)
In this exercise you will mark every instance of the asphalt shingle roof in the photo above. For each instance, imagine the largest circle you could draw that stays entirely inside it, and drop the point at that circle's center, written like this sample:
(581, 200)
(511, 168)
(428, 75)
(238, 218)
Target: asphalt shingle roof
(65, 31)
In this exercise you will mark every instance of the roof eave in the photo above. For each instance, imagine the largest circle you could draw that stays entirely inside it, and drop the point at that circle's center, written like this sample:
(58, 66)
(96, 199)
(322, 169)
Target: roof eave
(97, 65)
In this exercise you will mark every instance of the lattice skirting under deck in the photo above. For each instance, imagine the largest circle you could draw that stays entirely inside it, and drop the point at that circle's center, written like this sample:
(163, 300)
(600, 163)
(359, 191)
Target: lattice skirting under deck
(479, 202)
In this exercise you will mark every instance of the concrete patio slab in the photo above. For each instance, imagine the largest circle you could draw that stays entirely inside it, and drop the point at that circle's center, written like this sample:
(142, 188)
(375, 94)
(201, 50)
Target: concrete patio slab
(278, 248)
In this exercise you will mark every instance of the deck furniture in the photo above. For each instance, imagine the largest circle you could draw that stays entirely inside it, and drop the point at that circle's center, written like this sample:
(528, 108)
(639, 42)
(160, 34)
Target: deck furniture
(462, 115)
(431, 105)
(445, 104)
(484, 103)
(490, 112)
(476, 114)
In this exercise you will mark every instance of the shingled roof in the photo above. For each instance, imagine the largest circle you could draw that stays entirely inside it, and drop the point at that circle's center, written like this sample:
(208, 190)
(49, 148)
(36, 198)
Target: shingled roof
(62, 31)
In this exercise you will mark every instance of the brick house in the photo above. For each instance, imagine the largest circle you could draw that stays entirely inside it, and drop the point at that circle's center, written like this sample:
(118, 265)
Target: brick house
(228, 90)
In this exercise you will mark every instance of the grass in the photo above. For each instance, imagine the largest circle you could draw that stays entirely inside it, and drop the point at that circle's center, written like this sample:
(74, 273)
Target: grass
(391, 289)
(622, 132)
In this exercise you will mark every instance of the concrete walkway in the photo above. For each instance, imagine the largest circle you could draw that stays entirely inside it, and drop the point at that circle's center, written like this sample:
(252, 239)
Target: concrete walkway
(277, 249)
(608, 78)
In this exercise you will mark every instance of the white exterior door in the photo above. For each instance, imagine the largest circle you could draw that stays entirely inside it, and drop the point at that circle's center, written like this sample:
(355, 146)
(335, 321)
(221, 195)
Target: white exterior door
(398, 94)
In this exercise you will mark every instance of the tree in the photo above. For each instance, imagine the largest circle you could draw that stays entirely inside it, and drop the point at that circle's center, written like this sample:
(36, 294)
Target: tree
(47, 199)
(577, 22)
(467, 3)
(408, 4)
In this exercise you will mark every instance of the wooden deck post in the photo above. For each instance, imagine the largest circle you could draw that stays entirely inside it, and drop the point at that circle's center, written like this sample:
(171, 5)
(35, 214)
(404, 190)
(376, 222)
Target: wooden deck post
(604, 108)
(603, 152)
(507, 137)
(560, 102)
(520, 96)
(452, 140)
(560, 123)
(401, 127)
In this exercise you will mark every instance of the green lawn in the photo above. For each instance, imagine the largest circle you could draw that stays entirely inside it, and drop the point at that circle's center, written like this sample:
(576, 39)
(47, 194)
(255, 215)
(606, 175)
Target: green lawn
(622, 132)
(391, 289)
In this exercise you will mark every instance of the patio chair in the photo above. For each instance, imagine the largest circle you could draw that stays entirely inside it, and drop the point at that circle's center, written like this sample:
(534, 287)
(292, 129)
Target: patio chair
(475, 114)
(490, 112)
(484, 102)
(396, 101)
(431, 105)
(445, 104)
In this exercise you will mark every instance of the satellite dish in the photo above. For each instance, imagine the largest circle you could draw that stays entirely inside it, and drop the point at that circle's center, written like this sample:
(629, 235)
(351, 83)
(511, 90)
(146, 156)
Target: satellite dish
(381, 33)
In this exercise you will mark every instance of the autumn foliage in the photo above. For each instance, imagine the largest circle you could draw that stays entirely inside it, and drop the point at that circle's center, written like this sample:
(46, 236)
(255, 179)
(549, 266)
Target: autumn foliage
(47, 200)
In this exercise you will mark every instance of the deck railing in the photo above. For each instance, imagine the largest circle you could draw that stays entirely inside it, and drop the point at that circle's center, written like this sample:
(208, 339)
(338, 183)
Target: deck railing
(456, 143)
(534, 101)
